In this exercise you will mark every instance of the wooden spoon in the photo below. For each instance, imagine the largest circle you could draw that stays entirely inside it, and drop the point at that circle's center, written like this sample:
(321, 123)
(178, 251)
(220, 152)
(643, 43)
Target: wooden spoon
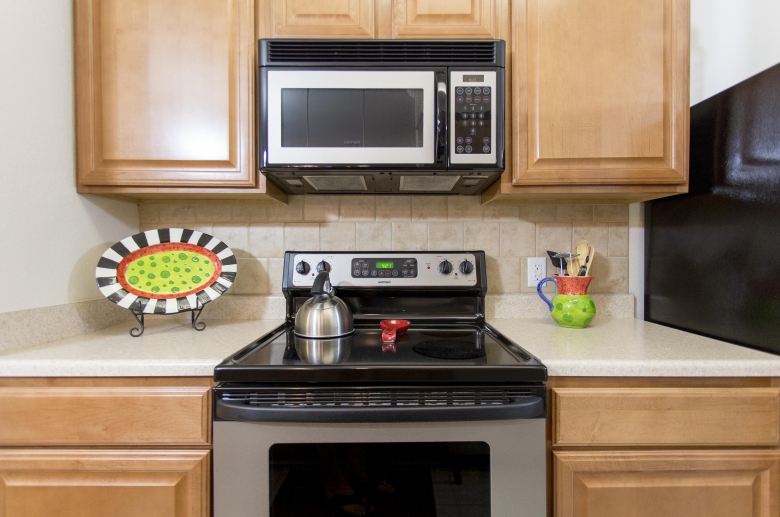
(589, 260)
(583, 250)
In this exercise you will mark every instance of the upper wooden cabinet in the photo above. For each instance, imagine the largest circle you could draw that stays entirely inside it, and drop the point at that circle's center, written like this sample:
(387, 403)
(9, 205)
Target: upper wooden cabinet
(351, 19)
(600, 99)
(445, 18)
(165, 95)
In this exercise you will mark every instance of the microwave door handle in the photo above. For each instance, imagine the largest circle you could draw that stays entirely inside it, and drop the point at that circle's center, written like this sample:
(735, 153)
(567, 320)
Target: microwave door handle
(441, 116)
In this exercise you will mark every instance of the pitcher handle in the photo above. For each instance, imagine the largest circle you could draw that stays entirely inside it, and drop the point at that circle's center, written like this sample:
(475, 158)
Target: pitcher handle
(539, 290)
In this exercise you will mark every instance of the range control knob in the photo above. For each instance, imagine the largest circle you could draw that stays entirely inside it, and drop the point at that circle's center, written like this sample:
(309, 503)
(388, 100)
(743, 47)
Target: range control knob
(302, 267)
(466, 267)
(323, 266)
(445, 268)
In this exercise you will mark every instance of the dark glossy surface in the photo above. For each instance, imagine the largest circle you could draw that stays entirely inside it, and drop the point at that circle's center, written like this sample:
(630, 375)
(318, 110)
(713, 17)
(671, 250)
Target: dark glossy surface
(713, 256)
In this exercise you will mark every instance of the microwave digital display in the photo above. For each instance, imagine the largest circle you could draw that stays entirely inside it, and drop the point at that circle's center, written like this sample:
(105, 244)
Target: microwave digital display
(473, 78)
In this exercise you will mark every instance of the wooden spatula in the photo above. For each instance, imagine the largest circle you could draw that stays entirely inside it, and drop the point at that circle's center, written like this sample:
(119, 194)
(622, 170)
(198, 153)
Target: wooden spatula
(589, 260)
(583, 250)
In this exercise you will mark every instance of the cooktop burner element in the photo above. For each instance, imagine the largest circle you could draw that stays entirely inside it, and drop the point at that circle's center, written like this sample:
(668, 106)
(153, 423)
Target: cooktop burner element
(450, 350)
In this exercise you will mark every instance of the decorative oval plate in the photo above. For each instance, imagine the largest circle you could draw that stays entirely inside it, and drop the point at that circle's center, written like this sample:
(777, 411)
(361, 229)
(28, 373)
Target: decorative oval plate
(166, 271)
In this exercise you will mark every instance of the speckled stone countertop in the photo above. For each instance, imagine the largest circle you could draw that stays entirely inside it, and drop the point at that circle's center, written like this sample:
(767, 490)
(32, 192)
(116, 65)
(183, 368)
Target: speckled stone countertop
(622, 347)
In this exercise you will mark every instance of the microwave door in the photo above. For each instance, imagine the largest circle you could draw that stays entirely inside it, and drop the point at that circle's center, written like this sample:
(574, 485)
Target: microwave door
(350, 118)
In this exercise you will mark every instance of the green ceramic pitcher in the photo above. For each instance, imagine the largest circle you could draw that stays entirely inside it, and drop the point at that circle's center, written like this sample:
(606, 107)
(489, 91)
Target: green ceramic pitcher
(571, 307)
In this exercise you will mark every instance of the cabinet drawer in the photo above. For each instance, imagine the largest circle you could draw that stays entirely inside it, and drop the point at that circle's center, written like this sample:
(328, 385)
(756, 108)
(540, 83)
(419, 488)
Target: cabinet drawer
(103, 416)
(665, 416)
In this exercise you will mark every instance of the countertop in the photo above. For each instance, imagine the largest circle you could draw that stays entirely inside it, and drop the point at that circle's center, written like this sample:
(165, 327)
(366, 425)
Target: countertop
(623, 347)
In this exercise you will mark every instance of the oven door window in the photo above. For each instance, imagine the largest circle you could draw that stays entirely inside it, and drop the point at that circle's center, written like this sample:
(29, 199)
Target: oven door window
(389, 479)
(340, 117)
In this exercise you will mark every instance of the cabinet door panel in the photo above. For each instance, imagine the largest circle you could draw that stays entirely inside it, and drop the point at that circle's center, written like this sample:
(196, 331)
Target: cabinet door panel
(165, 92)
(601, 91)
(667, 484)
(445, 19)
(99, 483)
(317, 18)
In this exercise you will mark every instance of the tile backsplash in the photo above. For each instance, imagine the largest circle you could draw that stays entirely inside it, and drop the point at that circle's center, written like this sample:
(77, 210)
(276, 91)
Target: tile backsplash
(260, 234)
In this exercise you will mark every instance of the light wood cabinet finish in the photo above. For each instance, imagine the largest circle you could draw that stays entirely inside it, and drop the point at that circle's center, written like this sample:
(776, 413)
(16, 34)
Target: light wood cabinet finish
(445, 19)
(352, 19)
(667, 484)
(165, 95)
(601, 92)
(46, 483)
(80, 416)
(666, 416)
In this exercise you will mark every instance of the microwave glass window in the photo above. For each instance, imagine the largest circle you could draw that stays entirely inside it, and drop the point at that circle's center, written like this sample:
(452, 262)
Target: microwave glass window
(351, 117)
(396, 479)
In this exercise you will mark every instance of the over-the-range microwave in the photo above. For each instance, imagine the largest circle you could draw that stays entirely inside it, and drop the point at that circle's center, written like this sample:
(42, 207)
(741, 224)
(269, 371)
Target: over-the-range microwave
(381, 116)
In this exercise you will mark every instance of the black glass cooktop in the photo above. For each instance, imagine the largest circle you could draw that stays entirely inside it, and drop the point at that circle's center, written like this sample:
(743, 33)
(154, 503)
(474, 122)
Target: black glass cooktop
(425, 353)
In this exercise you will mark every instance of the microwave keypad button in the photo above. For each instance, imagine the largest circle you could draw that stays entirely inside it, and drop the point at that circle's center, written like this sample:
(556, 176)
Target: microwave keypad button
(459, 149)
(486, 90)
(469, 140)
(477, 98)
(469, 99)
(469, 149)
(474, 123)
(485, 99)
(465, 123)
(473, 115)
(481, 122)
(459, 140)
(486, 149)
(459, 91)
(481, 115)
(473, 131)
(468, 91)
(486, 140)
(459, 98)
(477, 91)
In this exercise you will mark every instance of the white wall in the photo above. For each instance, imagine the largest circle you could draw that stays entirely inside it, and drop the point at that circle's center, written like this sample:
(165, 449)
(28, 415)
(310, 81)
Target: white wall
(731, 40)
(51, 236)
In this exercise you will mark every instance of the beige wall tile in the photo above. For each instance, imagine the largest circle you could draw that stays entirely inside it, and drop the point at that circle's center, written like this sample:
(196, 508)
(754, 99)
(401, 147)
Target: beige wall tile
(275, 275)
(201, 227)
(500, 213)
(289, 213)
(375, 236)
(410, 236)
(357, 208)
(429, 208)
(597, 235)
(337, 236)
(302, 237)
(148, 213)
(266, 240)
(618, 240)
(393, 208)
(445, 236)
(503, 274)
(212, 213)
(464, 208)
(552, 236)
(574, 213)
(610, 213)
(611, 275)
(178, 213)
(252, 277)
(538, 213)
(147, 225)
(482, 236)
(518, 239)
(320, 208)
(235, 236)
(248, 213)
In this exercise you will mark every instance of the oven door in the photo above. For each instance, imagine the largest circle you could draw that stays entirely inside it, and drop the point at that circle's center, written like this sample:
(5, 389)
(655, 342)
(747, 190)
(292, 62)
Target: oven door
(480, 468)
(338, 118)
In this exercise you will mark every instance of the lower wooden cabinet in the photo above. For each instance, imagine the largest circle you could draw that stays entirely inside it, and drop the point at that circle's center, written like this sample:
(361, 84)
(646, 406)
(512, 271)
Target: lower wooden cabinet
(715, 483)
(92, 483)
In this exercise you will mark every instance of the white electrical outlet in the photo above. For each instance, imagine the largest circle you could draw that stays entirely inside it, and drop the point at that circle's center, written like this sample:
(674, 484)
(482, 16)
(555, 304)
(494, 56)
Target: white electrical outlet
(537, 269)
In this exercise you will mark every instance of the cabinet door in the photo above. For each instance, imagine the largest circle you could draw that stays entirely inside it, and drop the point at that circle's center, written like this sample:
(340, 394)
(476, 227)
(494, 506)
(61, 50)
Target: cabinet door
(600, 92)
(40, 483)
(165, 92)
(316, 19)
(445, 18)
(715, 483)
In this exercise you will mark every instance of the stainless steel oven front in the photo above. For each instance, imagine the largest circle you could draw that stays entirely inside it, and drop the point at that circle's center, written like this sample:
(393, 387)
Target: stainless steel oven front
(493, 468)
(354, 116)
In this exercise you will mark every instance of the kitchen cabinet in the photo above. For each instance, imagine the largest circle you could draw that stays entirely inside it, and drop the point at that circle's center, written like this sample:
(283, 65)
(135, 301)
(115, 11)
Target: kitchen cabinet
(165, 99)
(671, 447)
(600, 104)
(135, 446)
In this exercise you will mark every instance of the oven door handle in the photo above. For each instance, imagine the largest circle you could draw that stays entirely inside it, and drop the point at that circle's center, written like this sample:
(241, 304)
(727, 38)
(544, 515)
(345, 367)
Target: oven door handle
(441, 117)
(524, 408)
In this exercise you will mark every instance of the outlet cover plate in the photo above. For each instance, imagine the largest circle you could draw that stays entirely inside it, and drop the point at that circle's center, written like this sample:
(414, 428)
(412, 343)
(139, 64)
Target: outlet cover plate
(537, 270)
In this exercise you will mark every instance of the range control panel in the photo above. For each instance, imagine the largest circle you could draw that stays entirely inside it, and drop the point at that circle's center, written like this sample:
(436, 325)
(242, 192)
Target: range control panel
(377, 269)
(472, 106)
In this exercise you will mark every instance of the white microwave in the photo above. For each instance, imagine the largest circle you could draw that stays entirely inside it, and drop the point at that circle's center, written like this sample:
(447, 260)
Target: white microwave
(375, 116)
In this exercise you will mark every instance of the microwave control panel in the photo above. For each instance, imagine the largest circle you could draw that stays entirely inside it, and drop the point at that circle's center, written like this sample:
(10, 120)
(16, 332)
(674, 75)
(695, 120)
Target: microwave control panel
(472, 108)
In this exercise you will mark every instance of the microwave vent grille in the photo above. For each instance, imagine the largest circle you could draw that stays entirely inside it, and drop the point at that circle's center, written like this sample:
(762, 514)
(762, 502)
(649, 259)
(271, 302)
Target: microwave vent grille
(337, 183)
(428, 183)
(398, 52)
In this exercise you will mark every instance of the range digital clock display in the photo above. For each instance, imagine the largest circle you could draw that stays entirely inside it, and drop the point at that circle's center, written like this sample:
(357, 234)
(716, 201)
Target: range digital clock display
(384, 265)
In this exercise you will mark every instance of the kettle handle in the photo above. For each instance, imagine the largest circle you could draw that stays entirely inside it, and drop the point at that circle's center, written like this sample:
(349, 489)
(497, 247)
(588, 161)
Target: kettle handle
(319, 283)
(539, 290)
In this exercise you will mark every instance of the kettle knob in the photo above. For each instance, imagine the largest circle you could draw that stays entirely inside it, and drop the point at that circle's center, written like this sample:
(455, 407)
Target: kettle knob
(319, 283)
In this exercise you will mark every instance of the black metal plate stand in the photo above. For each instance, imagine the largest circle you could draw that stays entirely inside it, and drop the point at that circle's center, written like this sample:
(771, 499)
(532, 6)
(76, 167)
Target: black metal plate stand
(194, 313)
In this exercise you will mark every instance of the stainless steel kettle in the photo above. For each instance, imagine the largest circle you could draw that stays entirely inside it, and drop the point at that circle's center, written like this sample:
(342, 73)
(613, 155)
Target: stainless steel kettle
(323, 315)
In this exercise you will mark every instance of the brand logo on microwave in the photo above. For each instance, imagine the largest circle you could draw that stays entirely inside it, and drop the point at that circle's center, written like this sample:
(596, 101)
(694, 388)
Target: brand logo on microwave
(352, 142)
(384, 281)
